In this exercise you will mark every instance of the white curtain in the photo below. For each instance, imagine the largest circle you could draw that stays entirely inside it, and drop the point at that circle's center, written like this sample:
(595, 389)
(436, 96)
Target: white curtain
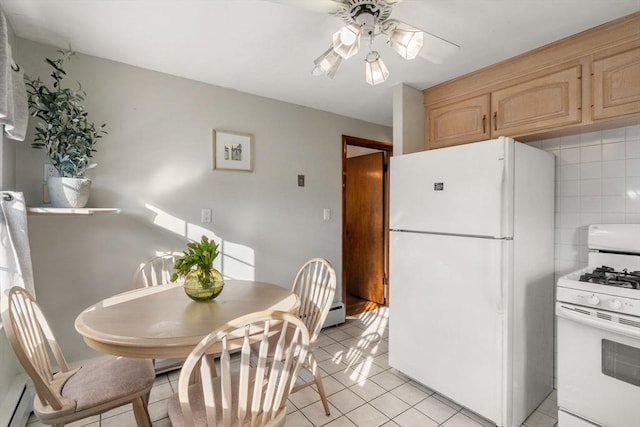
(14, 110)
(15, 254)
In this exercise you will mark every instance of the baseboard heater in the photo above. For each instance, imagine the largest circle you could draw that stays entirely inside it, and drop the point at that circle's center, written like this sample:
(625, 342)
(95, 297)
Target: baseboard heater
(336, 315)
(17, 408)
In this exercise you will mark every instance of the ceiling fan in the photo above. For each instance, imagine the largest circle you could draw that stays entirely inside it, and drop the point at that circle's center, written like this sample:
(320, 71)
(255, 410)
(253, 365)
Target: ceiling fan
(364, 20)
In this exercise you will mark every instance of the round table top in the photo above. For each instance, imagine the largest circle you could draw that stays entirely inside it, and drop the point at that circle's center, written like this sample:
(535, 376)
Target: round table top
(163, 322)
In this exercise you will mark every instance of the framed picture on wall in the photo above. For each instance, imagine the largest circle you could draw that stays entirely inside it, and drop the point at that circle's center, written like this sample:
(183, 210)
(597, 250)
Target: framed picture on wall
(232, 151)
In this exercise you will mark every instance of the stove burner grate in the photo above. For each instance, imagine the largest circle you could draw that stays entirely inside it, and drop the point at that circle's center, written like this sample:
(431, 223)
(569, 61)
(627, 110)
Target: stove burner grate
(608, 276)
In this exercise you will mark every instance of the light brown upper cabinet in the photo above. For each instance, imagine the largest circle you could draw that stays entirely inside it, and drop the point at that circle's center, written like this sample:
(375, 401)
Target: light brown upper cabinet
(616, 85)
(459, 122)
(585, 82)
(542, 103)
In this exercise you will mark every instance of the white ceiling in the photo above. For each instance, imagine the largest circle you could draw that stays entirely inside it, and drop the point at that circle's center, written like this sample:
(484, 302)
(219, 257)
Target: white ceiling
(267, 47)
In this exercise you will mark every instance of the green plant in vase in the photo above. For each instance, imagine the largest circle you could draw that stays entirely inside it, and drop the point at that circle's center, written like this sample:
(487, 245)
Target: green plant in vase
(201, 281)
(64, 132)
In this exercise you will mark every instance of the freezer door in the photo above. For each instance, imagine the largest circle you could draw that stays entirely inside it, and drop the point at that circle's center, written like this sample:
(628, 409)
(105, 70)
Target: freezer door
(465, 189)
(446, 316)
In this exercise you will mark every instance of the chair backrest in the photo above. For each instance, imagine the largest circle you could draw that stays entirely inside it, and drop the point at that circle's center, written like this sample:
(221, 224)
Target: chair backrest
(29, 334)
(155, 270)
(315, 285)
(255, 394)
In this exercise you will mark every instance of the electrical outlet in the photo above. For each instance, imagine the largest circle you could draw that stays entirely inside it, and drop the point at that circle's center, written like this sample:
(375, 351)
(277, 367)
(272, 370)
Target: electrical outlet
(49, 170)
(205, 215)
(45, 194)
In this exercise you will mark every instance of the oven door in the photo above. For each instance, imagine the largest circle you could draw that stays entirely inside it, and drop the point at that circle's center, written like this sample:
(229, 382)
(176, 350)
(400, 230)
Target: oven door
(599, 365)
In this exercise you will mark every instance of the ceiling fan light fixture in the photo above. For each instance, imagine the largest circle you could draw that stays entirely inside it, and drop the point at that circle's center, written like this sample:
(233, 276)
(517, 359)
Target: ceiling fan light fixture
(406, 42)
(346, 42)
(376, 71)
(327, 63)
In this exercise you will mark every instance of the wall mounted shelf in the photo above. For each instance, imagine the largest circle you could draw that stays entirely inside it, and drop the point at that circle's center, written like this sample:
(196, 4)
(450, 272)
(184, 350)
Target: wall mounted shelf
(70, 211)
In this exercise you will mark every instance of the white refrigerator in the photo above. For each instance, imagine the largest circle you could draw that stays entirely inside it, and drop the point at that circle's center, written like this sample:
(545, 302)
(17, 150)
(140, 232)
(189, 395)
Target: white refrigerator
(471, 275)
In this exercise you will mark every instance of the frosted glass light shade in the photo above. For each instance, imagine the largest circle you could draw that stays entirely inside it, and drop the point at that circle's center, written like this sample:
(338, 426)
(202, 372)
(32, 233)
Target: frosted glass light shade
(406, 42)
(327, 64)
(376, 71)
(346, 42)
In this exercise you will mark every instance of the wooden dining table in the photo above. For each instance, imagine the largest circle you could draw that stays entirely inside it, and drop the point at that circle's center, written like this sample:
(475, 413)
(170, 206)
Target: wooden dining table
(163, 322)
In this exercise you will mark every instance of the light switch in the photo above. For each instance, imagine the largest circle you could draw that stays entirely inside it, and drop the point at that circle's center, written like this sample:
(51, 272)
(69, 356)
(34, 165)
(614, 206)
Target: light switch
(326, 214)
(205, 215)
(300, 180)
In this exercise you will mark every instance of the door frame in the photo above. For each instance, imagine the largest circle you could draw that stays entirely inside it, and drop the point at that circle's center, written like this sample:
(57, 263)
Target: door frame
(387, 150)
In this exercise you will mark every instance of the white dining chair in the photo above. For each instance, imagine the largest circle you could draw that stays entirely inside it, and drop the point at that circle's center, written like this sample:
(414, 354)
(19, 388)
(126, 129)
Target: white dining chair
(65, 394)
(251, 395)
(315, 286)
(155, 271)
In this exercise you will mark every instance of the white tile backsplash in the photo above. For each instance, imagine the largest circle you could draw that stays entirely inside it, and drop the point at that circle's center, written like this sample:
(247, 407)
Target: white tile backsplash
(591, 170)
(613, 169)
(613, 151)
(614, 187)
(591, 187)
(633, 167)
(570, 141)
(633, 149)
(613, 135)
(633, 132)
(568, 172)
(613, 204)
(551, 144)
(591, 138)
(597, 180)
(572, 188)
(590, 204)
(569, 156)
(590, 153)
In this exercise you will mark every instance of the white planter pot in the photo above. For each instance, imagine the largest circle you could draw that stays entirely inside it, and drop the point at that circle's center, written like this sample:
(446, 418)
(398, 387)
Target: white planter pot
(68, 192)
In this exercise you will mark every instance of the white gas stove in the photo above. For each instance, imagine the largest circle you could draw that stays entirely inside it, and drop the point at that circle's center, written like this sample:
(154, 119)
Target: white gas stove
(603, 287)
(598, 310)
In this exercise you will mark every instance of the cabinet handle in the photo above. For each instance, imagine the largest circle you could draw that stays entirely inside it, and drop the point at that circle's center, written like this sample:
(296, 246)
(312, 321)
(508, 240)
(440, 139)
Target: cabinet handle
(484, 123)
(495, 120)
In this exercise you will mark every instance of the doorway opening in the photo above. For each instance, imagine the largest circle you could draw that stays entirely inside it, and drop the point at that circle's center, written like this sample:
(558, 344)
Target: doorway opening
(365, 236)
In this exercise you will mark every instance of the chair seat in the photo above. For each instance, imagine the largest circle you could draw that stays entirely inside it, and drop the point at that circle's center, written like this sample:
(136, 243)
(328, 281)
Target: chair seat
(109, 381)
(196, 401)
(68, 395)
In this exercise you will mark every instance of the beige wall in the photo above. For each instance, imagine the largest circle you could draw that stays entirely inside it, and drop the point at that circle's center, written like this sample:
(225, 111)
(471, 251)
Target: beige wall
(156, 165)
(408, 120)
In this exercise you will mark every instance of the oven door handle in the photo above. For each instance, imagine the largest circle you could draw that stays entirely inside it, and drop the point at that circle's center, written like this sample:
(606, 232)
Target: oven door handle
(606, 325)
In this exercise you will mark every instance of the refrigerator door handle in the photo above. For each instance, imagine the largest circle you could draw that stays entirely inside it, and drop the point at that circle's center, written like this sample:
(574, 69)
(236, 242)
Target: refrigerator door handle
(500, 176)
(501, 255)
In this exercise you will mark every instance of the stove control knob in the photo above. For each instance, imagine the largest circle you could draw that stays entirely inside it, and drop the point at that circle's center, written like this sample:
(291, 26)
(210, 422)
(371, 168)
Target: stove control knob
(615, 304)
(593, 300)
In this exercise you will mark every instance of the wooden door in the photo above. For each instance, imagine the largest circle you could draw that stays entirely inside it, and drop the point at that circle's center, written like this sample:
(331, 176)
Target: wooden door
(459, 122)
(364, 257)
(546, 102)
(616, 85)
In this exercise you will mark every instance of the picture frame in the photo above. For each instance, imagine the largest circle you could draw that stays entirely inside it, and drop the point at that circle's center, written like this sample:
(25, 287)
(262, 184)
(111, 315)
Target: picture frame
(232, 151)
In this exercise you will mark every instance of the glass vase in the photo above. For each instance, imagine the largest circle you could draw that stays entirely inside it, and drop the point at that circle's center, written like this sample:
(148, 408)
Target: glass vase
(202, 287)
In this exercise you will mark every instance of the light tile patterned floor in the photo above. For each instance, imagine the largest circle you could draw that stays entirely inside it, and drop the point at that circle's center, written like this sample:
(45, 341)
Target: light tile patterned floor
(363, 390)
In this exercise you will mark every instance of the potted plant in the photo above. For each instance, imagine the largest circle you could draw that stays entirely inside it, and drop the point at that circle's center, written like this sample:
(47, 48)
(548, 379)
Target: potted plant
(65, 133)
(201, 281)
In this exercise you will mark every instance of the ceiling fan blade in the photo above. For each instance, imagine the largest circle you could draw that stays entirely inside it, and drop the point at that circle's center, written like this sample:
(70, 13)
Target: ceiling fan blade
(322, 6)
(436, 49)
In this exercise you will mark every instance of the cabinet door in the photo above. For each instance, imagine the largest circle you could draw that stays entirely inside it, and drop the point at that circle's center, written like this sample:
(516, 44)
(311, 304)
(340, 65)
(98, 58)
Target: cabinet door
(459, 122)
(546, 102)
(616, 85)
